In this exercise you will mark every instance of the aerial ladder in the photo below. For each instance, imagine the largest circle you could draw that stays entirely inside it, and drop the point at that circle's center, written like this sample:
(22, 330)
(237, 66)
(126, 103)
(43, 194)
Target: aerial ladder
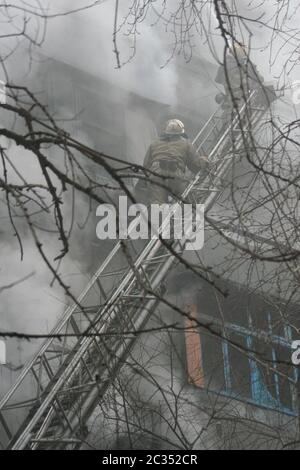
(58, 390)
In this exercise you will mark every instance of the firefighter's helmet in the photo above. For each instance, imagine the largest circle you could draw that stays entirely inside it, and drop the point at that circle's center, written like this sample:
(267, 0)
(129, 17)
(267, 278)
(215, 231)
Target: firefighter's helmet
(174, 127)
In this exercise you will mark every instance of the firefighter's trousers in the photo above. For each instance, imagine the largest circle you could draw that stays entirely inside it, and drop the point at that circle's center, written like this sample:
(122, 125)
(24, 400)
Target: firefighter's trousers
(168, 181)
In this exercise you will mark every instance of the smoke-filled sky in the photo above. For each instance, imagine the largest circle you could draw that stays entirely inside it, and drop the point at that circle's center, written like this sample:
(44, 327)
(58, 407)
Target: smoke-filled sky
(85, 39)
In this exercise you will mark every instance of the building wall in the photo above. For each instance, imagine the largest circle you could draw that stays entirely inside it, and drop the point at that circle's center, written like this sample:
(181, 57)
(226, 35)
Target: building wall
(115, 120)
(122, 124)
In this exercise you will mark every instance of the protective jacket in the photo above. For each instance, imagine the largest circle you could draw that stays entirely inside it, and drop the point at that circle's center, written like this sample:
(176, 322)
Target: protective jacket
(175, 149)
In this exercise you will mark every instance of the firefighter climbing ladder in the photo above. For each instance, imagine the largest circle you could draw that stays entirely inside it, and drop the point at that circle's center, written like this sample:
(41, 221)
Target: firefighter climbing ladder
(58, 390)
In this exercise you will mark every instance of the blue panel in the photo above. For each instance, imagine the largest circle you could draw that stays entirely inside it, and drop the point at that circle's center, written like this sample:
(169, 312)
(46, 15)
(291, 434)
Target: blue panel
(260, 393)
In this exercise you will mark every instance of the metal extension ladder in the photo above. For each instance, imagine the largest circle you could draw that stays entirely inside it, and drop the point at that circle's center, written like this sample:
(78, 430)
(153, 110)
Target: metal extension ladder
(58, 390)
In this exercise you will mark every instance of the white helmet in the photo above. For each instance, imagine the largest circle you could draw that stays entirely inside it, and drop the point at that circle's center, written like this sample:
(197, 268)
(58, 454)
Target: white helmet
(174, 127)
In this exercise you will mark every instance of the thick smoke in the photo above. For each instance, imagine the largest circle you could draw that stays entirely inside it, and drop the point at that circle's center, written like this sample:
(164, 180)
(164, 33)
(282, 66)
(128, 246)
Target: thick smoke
(85, 40)
(33, 305)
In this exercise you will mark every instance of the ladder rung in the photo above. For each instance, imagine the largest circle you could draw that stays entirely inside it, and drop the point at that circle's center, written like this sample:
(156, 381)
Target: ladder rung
(138, 297)
(46, 440)
(211, 190)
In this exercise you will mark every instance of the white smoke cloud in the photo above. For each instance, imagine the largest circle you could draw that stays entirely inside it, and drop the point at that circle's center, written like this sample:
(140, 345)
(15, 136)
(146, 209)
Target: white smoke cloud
(33, 306)
(85, 40)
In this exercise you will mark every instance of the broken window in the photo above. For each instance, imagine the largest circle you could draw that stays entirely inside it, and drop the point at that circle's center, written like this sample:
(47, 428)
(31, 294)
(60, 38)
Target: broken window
(245, 351)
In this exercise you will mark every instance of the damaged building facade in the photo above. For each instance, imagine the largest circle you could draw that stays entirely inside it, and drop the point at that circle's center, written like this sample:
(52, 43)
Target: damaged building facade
(226, 396)
(219, 377)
